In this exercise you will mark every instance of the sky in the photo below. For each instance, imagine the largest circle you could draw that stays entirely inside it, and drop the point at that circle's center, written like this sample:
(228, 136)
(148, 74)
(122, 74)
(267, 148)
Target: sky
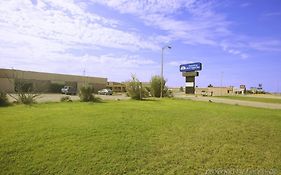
(237, 41)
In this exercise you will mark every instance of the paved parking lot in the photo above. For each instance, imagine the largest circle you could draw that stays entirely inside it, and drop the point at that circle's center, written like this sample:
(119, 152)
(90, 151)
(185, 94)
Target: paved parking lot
(56, 97)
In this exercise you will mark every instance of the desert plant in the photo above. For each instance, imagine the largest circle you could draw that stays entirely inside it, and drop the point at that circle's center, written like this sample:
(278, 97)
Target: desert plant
(4, 99)
(135, 89)
(181, 89)
(155, 84)
(25, 94)
(26, 98)
(97, 99)
(65, 99)
(22, 86)
(169, 93)
(86, 94)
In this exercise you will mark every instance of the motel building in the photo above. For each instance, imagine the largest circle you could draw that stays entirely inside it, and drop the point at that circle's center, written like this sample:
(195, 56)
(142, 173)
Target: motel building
(46, 82)
(220, 91)
(116, 86)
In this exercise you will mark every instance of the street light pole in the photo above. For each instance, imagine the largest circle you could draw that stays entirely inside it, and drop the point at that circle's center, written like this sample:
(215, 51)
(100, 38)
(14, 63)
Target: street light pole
(162, 77)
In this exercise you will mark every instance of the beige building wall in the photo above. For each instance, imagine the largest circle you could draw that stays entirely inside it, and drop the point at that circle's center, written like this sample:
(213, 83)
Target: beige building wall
(42, 80)
(6, 85)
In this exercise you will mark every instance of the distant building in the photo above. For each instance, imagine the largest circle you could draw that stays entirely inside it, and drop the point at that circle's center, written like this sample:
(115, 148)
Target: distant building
(257, 90)
(214, 91)
(43, 82)
(146, 84)
(253, 90)
(243, 87)
(240, 90)
(116, 86)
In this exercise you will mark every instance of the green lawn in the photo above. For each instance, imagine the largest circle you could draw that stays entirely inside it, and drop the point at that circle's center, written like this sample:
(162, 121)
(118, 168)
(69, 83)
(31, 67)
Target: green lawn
(256, 99)
(138, 137)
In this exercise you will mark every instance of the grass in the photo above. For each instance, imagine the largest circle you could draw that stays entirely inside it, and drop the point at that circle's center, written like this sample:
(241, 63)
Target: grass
(255, 99)
(138, 137)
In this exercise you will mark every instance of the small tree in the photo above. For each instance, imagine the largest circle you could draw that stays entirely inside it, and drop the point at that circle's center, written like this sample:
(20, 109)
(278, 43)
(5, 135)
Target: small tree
(86, 94)
(66, 99)
(181, 89)
(3, 99)
(135, 89)
(155, 84)
(25, 93)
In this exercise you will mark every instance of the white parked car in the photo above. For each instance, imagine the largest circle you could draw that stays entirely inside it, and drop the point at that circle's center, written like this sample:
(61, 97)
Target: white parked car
(68, 90)
(105, 92)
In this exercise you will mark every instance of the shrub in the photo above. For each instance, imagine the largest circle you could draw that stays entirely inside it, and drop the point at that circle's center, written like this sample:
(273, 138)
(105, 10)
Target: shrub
(135, 90)
(181, 89)
(27, 98)
(97, 99)
(169, 93)
(21, 86)
(148, 91)
(25, 92)
(66, 99)
(86, 94)
(155, 84)
(4, 99)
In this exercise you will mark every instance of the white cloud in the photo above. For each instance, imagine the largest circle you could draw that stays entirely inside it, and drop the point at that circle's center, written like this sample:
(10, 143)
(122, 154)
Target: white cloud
(245, 4)
(40, 35)
(203, 27)
(179, 62)
(237, 45)
(60, 25)
(113, 66)
(266, 45)
(270, 14)
(234, 48)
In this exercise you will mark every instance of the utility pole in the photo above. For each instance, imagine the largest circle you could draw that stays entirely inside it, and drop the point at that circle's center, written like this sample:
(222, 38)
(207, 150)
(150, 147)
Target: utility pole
(84, 74)
(140, 90)
(221, 83)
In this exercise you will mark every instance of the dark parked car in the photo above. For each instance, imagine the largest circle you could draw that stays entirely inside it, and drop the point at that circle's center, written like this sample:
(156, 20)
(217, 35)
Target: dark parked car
(68, 90)
(105, 92)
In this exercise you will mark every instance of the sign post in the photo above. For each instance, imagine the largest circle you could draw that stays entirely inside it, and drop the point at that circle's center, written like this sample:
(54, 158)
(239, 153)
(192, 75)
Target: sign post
(189, 71)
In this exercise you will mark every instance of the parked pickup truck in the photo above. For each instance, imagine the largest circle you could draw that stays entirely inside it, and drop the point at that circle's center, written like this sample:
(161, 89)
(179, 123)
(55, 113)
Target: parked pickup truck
(68, 90)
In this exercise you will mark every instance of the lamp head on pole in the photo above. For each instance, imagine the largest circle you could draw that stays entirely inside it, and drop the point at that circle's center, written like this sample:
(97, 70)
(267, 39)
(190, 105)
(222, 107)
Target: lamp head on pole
(169, 47)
